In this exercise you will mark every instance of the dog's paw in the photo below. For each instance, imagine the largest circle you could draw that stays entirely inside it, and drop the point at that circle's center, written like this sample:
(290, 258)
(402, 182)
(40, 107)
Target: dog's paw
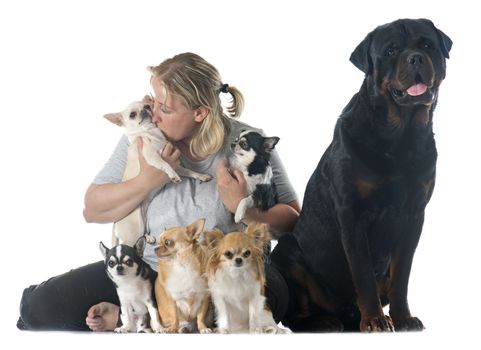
(222, 331)
(204, 178)
(150, 239)
(158, 329)
(239, 214)
(377, 324)
(175, 179)
(408, 324)
(205, 331)
(266, 330)
(122, 329)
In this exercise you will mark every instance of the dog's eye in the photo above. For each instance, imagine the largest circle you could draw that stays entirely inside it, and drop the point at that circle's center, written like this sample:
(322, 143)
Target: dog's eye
(168, 242)
(243, 144)
(427, 45)
(129, 263)
(228, 255)
(246, 254)
(390, 52)
(111, 263)
(132, 115)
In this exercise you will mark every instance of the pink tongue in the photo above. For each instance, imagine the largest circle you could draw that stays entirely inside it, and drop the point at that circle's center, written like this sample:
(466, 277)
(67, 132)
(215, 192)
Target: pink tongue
(417, 89)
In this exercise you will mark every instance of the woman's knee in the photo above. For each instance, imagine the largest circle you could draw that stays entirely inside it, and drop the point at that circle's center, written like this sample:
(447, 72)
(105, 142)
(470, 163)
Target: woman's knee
(29, 317)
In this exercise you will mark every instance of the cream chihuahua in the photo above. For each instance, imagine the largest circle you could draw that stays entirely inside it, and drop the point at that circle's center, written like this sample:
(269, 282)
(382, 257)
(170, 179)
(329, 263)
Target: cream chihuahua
(137, 120)
(235, 273)
(181, 289)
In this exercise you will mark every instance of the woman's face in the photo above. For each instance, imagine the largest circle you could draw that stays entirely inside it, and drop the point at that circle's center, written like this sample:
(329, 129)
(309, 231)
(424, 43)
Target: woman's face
(177, 122)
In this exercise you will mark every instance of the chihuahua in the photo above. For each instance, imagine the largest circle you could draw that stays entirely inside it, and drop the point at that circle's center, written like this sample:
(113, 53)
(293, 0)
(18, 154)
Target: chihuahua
(137, 120)
(181, 288)
(251, 155)
(134, 280)
(235, 274)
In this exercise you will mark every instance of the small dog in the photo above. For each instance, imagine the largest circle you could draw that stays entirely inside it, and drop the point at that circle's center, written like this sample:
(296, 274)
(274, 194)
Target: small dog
(235, 273)
(137, 120)
(134, 280)
(181, 288)
(251, 155)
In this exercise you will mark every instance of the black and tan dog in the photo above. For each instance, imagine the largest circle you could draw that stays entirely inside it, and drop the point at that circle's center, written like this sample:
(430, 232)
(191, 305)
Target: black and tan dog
(363, 211)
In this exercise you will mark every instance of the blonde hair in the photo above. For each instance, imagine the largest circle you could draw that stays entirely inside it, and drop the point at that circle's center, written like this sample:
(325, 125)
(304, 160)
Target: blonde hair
(198, 84)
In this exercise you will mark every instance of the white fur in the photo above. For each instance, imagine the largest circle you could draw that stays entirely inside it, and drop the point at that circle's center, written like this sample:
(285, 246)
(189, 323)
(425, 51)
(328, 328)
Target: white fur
(185, 285)
(130, 228)
(239, 304)
(135, 296)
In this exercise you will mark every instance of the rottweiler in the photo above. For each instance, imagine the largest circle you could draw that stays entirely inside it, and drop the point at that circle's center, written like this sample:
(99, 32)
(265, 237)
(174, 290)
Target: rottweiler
(351, 250)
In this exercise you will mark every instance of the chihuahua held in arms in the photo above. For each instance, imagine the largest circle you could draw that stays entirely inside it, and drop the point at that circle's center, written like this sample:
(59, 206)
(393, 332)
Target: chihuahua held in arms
(235, 273)
(137, 120)
(134, 280)
(181, 288)
(251, 155)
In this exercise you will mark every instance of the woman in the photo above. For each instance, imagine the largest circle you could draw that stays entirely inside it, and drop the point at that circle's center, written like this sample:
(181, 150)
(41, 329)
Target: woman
(188, 110)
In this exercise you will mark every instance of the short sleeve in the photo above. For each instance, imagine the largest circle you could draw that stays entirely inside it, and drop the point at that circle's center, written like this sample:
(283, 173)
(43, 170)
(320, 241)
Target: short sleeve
(285, 191)
(113, 170)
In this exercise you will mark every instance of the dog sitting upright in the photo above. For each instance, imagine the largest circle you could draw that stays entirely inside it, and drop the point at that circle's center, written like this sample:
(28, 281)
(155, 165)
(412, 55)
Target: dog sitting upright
(235, 272)
(181, 287)
(352, 248)
(134, 280)
(251, 155)
(137, 120)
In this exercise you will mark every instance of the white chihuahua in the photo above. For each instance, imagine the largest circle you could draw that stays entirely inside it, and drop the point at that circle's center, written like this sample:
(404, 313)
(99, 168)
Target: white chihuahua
(137, 120)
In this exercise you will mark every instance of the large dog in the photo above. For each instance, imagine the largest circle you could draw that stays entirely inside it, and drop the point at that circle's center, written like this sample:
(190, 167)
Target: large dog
(363, 211)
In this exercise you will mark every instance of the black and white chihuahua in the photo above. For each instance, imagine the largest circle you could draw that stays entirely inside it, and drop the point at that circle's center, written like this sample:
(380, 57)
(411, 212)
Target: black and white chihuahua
(134, 280)
(251, 155)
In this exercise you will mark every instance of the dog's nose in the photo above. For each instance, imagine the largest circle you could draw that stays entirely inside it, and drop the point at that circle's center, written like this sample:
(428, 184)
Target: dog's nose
(415, 59)
(238, 261)
(120, 269)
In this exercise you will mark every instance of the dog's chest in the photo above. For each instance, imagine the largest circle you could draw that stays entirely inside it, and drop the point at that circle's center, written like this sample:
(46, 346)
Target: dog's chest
(235, 287)
(185, 282)
(134, 293)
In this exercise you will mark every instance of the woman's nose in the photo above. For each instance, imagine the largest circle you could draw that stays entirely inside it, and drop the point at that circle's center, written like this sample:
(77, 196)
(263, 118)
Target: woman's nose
(155, 114)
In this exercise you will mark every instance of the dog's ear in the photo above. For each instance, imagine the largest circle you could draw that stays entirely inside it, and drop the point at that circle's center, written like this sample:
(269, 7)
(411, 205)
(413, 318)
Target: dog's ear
(270, 143)
(444, 40)
(259, 232)
(361, 57)
(115, 118)
(140, 245)
(196, 228)
(147, 99)
(212, 239)
(103, 249)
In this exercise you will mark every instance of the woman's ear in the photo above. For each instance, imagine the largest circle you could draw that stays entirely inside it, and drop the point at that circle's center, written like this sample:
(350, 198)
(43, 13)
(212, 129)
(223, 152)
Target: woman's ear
(200, 114)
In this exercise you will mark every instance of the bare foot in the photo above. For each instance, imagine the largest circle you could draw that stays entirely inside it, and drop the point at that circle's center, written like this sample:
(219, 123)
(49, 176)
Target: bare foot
(103, 317)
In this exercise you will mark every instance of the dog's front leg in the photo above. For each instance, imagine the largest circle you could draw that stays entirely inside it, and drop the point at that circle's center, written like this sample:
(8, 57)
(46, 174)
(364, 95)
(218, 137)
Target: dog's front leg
(192, 174)
(126, 317)
(356, 247)
(153, 157)
(201, 316)
(400, 269)
(222, 315)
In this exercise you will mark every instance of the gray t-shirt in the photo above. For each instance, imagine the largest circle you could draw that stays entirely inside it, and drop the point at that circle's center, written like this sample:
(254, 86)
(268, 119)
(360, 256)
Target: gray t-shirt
(183, 203)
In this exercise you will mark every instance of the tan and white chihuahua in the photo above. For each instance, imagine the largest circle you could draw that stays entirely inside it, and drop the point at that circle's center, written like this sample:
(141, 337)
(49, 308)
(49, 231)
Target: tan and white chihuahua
(235, 273)
(181, 289)
(137, 120)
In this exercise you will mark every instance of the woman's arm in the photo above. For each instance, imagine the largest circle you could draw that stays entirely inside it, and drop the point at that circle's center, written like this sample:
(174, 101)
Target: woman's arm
(112, 202)
(232, 188)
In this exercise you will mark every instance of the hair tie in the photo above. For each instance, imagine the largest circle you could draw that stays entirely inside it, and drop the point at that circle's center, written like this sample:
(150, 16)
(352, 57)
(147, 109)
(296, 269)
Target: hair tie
(224, 88)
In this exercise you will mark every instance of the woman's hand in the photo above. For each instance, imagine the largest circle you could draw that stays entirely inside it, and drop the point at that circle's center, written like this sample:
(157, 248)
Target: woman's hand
(153, 177)
(231, 185)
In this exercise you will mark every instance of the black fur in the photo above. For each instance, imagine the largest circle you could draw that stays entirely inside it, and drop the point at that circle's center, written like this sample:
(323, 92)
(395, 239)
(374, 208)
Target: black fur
(352, 248)
(264, 194)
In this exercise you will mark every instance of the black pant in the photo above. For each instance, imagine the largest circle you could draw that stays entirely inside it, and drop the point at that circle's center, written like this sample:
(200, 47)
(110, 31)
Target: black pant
(62, 302)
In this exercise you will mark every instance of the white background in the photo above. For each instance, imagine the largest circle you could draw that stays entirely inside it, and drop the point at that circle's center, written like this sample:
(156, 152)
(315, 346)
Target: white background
(63, 64)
